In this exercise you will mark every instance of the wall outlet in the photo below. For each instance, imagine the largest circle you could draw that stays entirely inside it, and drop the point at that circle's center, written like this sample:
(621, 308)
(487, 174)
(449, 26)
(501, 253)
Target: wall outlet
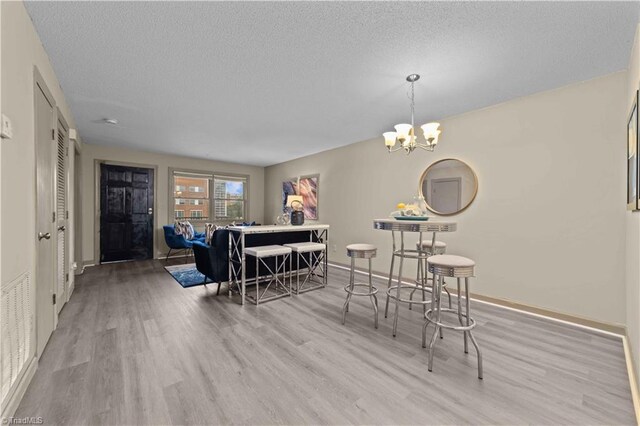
(7, 131)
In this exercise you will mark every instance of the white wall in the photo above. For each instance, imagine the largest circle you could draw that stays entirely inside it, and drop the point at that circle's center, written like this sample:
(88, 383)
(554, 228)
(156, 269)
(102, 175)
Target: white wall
(90, 153)
(21, 50)
(632, 225)
(547, 227)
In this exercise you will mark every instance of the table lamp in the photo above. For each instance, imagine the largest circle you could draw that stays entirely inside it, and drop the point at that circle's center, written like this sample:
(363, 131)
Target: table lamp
(294, 202)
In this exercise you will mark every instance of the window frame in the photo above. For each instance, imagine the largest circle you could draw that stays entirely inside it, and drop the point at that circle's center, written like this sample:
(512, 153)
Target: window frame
(245, 196)
(211, 176)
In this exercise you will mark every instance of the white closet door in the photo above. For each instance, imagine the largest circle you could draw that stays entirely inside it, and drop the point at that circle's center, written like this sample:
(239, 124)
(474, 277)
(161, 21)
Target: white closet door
(61, 217)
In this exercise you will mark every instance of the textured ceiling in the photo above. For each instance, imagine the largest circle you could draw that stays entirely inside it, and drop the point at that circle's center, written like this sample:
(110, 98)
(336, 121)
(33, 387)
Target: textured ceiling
(265, 82)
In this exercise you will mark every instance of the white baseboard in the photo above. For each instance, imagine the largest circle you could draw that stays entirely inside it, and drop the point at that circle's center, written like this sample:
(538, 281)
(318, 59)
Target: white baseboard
(615, 330)
(13, 401)
(628, 355)
(71, 288)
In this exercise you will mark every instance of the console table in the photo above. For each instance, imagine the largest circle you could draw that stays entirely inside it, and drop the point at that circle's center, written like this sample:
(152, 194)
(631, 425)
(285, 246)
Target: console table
(237, 242)
(403, 226)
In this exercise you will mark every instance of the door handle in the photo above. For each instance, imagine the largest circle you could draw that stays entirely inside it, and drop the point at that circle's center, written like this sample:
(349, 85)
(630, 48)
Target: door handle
(61, 228)
(45, 236)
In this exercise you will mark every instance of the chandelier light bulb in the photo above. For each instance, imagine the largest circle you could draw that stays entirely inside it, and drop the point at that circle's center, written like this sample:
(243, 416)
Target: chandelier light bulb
(430, 129)
(389, 139)
(434, 141)
(409, 141)
(403, 130)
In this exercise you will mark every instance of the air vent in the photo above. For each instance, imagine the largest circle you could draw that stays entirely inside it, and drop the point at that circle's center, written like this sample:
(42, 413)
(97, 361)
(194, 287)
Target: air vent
(16, 331)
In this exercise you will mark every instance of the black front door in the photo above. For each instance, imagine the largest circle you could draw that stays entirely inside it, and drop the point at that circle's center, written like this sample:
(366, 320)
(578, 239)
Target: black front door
(126, 213)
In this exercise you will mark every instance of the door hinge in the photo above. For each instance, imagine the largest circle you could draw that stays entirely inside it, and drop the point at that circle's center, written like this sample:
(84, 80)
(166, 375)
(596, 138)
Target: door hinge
(54, 298)
(67, 151)
(53, 215)
(67, 214)
(53, 134)
(66, 277)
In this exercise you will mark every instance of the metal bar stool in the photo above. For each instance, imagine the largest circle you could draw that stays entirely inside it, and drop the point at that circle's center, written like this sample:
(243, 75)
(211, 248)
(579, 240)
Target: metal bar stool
(361, 251)
(421, 277)
(313, 259)
(280, 268)
(457, 267)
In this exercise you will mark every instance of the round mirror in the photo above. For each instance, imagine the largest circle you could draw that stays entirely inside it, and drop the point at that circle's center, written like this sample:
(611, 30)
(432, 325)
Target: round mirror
(448, 186)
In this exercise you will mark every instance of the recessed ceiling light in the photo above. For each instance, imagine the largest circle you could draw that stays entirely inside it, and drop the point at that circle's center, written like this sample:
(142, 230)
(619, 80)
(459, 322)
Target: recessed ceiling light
(111, 121)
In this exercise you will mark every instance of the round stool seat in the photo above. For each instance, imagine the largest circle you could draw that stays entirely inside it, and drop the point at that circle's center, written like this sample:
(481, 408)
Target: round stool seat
(365, 251)
(451, 260)
(449, 265)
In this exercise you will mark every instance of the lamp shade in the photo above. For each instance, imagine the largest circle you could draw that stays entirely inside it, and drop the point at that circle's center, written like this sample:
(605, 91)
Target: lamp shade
(389, 139)
(435, 138)
(430, 130)
(403, 130)
(294, 201)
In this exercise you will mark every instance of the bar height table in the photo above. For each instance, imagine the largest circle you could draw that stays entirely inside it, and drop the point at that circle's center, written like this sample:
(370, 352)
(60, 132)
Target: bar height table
(402, 226)
(237, 258)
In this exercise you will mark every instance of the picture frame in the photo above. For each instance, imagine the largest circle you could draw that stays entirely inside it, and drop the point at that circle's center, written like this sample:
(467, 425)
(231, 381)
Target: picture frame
(308, 187)
(633, 197)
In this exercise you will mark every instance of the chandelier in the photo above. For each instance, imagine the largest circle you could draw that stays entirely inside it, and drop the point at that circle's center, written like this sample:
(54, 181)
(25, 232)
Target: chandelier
(405, 133)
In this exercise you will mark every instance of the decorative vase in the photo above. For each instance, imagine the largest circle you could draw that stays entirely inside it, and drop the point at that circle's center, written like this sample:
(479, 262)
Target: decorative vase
(420, 202)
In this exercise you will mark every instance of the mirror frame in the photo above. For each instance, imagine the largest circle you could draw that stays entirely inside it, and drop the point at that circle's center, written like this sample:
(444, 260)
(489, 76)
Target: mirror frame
(424, 174)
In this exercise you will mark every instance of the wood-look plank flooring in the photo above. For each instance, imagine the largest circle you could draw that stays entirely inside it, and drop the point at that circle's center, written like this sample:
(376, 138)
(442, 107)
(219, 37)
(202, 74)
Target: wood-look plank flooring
(133, 347)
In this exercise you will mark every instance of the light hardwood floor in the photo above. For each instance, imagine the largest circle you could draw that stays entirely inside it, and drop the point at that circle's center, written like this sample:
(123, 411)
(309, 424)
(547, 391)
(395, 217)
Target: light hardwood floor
(133, 347)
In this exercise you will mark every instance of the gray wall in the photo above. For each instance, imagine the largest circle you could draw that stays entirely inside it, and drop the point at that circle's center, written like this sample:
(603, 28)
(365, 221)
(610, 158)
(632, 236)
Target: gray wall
(547, 227)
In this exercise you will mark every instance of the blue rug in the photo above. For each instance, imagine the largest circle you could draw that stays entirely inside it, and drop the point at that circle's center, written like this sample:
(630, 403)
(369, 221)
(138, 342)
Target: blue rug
(187, 275)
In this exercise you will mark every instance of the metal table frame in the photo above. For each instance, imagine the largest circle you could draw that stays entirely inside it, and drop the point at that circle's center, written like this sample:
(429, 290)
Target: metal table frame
(237, 258)
(420, 227)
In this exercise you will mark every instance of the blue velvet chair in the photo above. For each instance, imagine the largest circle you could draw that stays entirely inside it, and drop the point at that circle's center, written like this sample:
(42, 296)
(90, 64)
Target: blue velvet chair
(179, 242)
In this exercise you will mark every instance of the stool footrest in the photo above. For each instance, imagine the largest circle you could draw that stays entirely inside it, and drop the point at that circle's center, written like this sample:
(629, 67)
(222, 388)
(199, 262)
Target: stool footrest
(413, 287)
(357, 293)
(456, 327)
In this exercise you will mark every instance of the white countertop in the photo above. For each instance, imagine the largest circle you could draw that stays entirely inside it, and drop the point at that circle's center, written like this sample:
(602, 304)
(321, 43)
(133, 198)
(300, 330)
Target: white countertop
(278, 228)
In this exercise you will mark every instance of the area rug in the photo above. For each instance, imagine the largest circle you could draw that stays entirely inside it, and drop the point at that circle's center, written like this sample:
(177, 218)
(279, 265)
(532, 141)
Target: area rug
(187, 275)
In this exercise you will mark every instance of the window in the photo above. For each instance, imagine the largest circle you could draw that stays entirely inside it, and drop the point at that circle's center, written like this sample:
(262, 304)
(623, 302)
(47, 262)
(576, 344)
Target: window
(191, 193)
(229, 198)
(207, 197)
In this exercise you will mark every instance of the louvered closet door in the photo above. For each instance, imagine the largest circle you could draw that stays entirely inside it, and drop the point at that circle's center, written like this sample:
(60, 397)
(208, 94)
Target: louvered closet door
(61, 217)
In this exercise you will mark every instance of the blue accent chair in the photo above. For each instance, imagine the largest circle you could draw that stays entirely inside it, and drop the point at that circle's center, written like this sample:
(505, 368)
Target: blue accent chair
(179, 242)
